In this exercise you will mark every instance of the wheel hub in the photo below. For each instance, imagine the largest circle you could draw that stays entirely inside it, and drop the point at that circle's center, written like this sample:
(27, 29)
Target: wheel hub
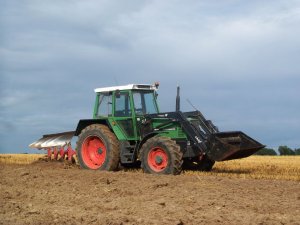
(100, 151)
(158, 159)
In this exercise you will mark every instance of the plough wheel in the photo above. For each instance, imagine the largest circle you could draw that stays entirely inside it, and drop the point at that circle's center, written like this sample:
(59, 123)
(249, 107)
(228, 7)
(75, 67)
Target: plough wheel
(98, 148)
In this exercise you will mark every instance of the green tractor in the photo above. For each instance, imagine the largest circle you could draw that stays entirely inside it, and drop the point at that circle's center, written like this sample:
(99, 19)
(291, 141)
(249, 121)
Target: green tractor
(128, 129)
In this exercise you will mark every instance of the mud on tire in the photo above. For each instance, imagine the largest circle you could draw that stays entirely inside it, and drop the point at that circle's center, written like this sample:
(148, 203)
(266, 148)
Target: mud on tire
(161, 155)
(98, 148)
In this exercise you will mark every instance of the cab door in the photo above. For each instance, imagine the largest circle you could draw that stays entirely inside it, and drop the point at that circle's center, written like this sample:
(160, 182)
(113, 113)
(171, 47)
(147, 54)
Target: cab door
(124, 115)
(144, 104)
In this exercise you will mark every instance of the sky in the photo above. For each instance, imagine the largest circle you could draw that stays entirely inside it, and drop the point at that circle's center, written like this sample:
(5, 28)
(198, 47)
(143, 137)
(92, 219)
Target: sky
(237, 61)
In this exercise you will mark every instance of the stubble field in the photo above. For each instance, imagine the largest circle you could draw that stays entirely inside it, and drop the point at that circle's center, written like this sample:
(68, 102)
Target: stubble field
(255, 190)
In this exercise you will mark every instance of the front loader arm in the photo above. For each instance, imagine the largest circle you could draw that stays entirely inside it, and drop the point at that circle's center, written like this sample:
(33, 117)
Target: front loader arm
(204, 136)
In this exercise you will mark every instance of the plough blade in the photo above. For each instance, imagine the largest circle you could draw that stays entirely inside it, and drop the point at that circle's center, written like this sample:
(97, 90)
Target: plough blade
(53, 140)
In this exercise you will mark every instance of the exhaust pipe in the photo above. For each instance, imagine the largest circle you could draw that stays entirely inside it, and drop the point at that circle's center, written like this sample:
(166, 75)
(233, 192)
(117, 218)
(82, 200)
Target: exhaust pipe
(178, 99)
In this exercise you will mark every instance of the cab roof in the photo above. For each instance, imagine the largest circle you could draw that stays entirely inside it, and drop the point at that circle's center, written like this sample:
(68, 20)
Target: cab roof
(128, 87)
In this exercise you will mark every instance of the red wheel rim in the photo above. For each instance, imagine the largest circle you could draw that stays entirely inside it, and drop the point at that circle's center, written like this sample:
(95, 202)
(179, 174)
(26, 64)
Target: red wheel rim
(157, 159)
(93, 152)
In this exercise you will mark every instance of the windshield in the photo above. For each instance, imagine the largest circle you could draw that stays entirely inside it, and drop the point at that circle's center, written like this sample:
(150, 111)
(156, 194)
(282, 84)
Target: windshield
(144, 103)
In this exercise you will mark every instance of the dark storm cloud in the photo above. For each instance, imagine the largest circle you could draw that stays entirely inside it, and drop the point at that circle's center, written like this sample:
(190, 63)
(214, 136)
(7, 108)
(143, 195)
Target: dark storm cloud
(236, 61)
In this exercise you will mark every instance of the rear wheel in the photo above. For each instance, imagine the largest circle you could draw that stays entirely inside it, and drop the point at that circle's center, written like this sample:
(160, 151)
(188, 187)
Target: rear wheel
(98, 148)
(161, 155)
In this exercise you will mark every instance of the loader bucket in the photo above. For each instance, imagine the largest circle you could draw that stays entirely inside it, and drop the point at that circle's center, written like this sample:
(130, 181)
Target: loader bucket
(53, 140)
(232, 145)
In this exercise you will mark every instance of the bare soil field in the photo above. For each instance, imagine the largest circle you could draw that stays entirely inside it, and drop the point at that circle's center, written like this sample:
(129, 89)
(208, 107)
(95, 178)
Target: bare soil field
(59, 193)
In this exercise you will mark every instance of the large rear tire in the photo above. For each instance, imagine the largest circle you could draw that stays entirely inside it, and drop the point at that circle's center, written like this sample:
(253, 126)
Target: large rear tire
(98, 148)
(161, 155)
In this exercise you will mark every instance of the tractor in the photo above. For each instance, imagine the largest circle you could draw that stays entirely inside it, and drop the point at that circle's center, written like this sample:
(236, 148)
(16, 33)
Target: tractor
(128, 129)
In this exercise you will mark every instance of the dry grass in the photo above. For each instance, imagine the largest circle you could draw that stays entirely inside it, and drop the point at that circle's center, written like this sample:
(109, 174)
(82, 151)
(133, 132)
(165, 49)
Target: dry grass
(20, 158)
(259, 167)
(256, 167)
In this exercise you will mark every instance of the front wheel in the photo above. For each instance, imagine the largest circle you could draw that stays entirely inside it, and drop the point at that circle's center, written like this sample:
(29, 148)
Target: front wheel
(98, 148)
(161, 155)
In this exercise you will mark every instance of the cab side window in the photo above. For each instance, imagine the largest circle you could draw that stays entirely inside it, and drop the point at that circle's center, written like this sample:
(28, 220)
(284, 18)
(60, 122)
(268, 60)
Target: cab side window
(105, 104)
(122, 106)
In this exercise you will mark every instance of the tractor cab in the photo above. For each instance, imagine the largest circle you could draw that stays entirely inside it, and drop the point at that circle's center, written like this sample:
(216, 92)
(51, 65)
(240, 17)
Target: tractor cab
(125, 106)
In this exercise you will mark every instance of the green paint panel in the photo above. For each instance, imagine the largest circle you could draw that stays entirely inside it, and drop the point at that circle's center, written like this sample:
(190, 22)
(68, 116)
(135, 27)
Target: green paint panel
(117, 130)
(96, 106)
(172, 130)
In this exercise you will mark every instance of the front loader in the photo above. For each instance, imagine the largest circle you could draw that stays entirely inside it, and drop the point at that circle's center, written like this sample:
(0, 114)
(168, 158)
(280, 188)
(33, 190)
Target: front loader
(128, 129)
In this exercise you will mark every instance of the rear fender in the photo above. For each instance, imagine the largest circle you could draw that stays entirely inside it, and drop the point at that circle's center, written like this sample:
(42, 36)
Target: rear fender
(84, 123)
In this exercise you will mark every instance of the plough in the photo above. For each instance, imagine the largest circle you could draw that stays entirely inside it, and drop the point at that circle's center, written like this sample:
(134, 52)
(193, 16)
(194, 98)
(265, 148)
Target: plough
(64, 154)
(55, 145)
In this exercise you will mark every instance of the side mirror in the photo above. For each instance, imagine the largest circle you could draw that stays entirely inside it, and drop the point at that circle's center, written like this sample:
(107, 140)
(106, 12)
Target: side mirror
(117, 93)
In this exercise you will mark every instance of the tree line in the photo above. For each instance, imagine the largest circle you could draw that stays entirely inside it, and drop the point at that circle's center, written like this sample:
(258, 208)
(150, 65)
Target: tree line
(283, 150)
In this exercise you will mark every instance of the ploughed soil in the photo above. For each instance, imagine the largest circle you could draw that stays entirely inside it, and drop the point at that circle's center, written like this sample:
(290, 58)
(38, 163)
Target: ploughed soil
(58, 193)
